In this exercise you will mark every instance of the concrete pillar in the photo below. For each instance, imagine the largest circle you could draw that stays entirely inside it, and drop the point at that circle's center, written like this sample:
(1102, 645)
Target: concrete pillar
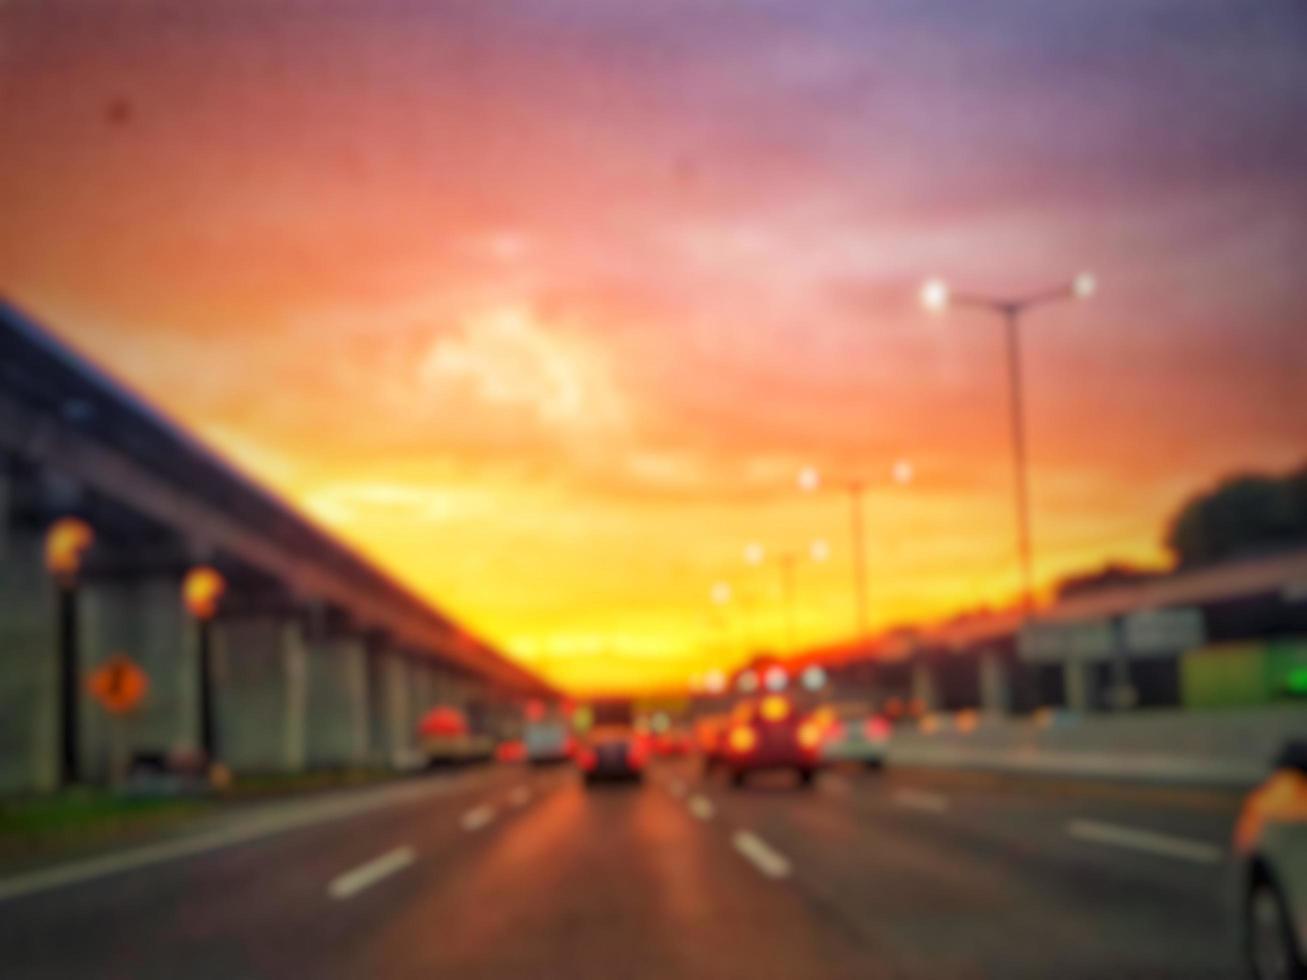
(29, 694)
(399, 714)
(1076, 684)
(261, 692)
(144, 619)
(421, 689)
(923, 685)
(995, 685)
(337, 701)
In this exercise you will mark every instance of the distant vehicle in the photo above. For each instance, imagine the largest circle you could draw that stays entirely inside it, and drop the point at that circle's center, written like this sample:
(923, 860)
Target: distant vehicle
(510, 750)
(1271, 846)
(446, 739)
(547, 740)
(673, 742)
(771, 733)
(612, 752)
(852, 732)
(710, 736)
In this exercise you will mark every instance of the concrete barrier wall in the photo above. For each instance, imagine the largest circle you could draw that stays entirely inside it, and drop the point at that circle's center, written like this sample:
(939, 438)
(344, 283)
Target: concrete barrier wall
(1218, 748)
(142, 618)
(337, 702)
(28, 667)
(260, 690)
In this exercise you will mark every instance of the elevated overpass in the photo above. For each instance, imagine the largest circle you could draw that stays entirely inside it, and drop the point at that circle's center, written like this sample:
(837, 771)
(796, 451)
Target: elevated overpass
(316, 657)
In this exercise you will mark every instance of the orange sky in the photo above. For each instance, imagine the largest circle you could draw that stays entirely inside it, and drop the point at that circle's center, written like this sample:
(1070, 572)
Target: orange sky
(543, 307)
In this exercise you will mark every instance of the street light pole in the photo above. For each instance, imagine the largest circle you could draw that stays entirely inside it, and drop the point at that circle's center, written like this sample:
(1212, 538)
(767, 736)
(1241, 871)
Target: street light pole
(936, 296)
(856, 488)
(1012, 330)
(787, 561)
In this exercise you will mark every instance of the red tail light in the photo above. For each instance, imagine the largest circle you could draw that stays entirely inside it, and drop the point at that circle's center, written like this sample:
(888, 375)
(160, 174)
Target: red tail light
(636, 755)
(877, 728)
(586, 759)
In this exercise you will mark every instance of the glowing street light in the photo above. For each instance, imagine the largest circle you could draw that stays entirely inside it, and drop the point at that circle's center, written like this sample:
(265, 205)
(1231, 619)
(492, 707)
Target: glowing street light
(720, 593)
(936, 296)
(714, 681)
(809, 479)
(819, 550)
(66, 543)
(67, 540)
(202, 588)
(754, 553)
(902, 472)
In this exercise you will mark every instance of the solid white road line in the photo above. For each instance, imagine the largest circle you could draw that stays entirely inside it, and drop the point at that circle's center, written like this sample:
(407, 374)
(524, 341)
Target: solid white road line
(1182, 848)
(520, 797)
(274, 819)
(366, 875)
(701, 807)
(478, 817)
(917, 799)
(761, 855)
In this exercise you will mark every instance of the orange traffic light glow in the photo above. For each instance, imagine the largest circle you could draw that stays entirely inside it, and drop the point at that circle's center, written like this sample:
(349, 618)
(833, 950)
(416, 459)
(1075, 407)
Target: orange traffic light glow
(555, 360)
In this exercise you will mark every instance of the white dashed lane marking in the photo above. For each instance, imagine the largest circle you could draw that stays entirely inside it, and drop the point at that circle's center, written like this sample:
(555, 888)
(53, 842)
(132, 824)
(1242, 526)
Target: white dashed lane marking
(761, 855)
(701, 807)
(366, 875)
(1150, 841)
(478, 817)
(916, 799)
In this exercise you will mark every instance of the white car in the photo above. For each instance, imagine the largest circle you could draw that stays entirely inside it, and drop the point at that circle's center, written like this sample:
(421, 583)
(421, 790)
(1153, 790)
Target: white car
(852, 732)
(1271, 845)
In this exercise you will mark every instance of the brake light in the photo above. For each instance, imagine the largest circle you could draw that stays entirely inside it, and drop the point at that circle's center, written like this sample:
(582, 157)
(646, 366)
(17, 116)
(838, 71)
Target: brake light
(636, 754)
(585, 757)
(810, 735)
(775, 708)
(877, 728)
(742, 739)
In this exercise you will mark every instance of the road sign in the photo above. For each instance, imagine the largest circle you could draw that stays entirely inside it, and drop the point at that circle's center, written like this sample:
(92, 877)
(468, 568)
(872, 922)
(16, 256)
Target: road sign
(119, 685)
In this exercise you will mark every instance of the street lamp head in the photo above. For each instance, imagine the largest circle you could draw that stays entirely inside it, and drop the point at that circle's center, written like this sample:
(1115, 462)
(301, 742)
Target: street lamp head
(902, 472)
(809, 479)
(754, 553)
(65, 543)
(1084, 285)
(721, 593)
(935, 295)
(201, 589)
(819, 550)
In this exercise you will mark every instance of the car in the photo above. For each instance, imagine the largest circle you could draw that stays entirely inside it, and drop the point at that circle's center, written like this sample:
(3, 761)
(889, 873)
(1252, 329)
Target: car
(852, 732)
(547, 741)
(1270, 844)
(612, 752)
(771, 733)
(447, 740)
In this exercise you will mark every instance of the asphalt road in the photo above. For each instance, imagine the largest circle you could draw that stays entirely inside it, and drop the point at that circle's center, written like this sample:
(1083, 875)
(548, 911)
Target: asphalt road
(508, 873)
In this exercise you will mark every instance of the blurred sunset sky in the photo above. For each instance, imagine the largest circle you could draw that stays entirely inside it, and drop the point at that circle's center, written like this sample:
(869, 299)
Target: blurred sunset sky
(543, 306)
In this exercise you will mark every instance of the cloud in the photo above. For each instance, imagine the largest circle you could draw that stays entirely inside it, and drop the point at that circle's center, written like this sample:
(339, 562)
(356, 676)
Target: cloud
(507, 358)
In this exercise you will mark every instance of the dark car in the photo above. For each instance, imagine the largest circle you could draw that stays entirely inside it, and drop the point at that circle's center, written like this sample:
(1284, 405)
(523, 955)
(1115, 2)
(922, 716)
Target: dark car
(1271, 846)
(771, 733)
(612, 752)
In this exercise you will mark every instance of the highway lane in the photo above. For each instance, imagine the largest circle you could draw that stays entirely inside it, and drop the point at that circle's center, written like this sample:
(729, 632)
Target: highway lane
(507, 873)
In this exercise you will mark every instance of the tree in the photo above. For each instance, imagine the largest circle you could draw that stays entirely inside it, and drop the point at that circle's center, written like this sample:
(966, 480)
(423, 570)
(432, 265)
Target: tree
(1245, 514)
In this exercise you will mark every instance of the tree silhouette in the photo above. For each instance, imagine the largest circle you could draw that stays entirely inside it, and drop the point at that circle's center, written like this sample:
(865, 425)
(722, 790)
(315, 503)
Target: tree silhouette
(1246, 514)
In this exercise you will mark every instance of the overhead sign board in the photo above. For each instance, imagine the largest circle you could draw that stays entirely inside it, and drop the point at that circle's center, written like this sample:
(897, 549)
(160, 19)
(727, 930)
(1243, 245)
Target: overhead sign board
(1164, 630)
